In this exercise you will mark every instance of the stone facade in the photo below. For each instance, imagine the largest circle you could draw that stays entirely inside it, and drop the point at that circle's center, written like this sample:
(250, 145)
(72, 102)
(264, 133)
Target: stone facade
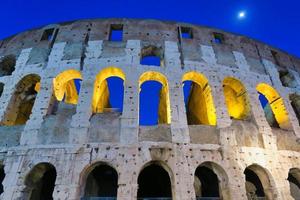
(66, 141)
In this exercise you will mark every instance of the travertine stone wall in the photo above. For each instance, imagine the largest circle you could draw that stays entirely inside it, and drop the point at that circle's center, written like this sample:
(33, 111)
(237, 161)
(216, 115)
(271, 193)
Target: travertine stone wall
(228, 148)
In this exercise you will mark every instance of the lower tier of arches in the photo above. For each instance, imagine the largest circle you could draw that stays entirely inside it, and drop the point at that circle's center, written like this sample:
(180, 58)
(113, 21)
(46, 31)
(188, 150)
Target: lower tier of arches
(160, 171)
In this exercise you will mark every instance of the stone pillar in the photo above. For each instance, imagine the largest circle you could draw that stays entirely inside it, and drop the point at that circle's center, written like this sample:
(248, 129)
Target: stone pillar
(39, 111)
(130, 115)
(81, 120)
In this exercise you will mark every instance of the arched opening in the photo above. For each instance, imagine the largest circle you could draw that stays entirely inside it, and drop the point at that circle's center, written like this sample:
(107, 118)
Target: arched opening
(101, 182)
(7, 65)
(2, 176)
(154, 183)
(294, 180)
(22, 101)
(154, 106)
(211, 182)
(236, 98)
(295, 102)
(67, 86)
(109, 91)
(273, 105)
(40, 182)
(258, 184)
(151, 55)
(200, 108)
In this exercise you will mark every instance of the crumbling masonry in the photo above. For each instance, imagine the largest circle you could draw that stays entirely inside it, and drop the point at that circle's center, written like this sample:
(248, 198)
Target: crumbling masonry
(224, 142)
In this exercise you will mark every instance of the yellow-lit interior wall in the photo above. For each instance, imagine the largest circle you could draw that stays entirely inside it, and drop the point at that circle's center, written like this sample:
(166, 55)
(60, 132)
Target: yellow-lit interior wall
(101, 92)
(236, 98)
(164, 112)
(276, 103)
(200, 104)
(64, 86)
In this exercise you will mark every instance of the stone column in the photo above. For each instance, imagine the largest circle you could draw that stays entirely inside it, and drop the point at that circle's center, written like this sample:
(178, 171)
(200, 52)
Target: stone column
(81, 120)
(39, 111)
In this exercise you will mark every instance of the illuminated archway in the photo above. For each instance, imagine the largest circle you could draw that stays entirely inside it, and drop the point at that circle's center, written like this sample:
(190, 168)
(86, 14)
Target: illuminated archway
(22, 101)
(200, 107)
(164, 110)
(101, 94)
(273, 105)
(236, 98)
(66, 86)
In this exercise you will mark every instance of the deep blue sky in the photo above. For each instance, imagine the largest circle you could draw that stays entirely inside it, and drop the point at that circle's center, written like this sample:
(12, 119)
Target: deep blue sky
(275, 22)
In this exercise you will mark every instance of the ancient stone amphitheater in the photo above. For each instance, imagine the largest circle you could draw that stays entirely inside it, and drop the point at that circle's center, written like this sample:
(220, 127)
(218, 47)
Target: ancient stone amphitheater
(226, 119)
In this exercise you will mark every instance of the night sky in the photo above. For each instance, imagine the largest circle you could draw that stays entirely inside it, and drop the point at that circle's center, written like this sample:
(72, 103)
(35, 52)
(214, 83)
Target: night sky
(274, 22)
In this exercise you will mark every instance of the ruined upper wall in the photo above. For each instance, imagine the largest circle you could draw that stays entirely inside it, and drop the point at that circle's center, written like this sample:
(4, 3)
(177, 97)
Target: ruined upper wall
(153, 31)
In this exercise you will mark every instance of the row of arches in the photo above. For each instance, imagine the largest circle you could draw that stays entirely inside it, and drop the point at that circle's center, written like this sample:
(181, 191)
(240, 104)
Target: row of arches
(156, 181)
(154, 99)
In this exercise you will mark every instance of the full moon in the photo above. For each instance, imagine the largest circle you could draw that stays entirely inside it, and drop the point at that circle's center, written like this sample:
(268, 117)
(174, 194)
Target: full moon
(241, 14)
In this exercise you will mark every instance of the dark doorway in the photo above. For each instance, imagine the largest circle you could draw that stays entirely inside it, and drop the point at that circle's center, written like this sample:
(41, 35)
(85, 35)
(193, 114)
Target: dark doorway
(102, 182)
(154, 182)
(254, 187)
(40, 182)
(206, 183)
(2, 176)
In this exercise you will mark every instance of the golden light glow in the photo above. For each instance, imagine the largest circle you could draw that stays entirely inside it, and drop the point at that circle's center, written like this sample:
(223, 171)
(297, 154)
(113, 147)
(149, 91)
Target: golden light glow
(164, 113)
(64, 86)
(276, 103)
(101, 92)
(37, 86)
(236, 98)
(201, 104)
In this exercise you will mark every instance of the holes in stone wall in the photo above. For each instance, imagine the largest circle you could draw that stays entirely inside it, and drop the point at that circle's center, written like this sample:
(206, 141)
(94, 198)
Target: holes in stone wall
(287, 79)
(48, 34)
(154, 182)
(7, 65)
(102, 181)
(151, 55)
(186, 32)
(116, 32)
(22, 101)
(40, 182)
(275, 57)
(218, 38)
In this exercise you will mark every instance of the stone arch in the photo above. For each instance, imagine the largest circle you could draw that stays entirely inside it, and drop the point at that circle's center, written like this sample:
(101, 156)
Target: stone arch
(22, 101)
(99, 180)
(7, 65)
(199, 104)
(259, 182)
(211, 180)
(155, 179)
(152, 55)
(65, 86)
(275, 111)
(40, 182)
(294, 182)
(164, 110)
(101, 91)
(236, 98)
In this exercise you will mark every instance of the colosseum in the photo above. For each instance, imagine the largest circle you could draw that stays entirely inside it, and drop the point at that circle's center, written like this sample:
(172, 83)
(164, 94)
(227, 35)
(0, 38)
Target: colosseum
(225, 126)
